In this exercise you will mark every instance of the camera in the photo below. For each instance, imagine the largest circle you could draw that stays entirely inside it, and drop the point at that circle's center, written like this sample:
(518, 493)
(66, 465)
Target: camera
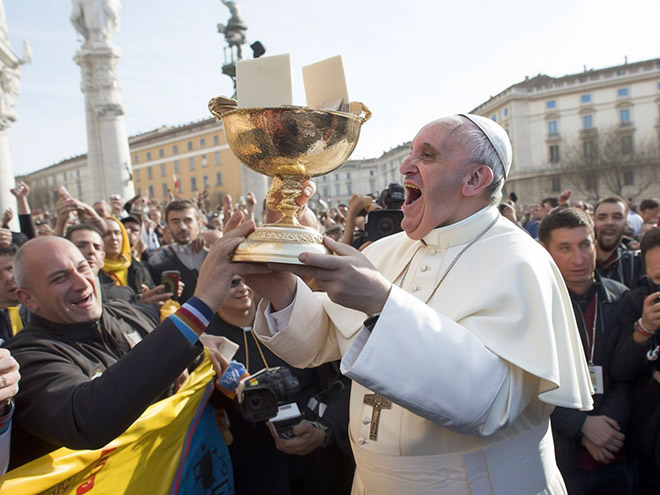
(260, 395)
(381, 223)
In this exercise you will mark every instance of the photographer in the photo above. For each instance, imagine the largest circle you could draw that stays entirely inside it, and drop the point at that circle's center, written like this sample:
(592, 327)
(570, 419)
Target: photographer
(637, 359)
(354, 232)
(316, 459)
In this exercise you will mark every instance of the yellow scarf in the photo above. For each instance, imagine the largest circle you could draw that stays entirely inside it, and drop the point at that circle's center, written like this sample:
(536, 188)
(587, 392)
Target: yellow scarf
(14, 319)
(117, 270)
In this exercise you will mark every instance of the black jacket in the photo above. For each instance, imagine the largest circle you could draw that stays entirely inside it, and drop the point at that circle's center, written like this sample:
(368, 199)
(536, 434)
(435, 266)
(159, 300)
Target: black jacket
(626, 268)
(615, 402)
(630, 363)
(138, 274)
(188, 277)
(82, 385)
(258, 466)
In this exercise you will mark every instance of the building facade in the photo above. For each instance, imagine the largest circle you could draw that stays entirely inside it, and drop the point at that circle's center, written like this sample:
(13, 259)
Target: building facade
(195, 156)
(363, 177)
(596, 132)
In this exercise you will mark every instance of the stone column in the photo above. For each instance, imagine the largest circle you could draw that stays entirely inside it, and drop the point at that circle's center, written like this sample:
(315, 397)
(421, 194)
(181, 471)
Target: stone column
(10, 76)
(108, 155)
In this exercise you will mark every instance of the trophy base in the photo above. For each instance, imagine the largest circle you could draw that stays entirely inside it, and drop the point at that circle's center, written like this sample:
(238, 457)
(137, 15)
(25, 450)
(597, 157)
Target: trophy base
(274, 243)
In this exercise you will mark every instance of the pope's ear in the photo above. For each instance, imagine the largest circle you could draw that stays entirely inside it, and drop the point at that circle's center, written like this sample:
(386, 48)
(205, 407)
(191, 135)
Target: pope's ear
(480, 178)
(26, 299)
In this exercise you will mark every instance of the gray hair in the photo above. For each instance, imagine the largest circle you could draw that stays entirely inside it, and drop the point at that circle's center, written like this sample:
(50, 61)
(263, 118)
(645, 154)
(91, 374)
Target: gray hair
(481, 150)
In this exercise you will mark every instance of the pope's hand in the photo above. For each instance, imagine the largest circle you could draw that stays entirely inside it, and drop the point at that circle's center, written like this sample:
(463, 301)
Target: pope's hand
(348, 277)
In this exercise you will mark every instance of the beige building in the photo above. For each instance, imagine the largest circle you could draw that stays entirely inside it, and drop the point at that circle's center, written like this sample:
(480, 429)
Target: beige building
(196, 155)
(596, 132)
(362, 177)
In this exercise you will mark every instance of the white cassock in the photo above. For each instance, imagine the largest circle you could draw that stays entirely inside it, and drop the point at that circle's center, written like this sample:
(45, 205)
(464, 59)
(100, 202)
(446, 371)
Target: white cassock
(474, 366)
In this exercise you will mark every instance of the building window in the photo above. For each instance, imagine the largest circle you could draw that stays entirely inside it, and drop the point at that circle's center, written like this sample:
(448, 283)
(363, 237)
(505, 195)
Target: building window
(139, 191)
(556, 184)
(191, 163)
(337, 189)
(349, 188)
(193, 184)
(550, 104)
(161, 153)
(371, 172)
(216, 156)
(136, 174)
(176, 166)
(190, 146)
(150, 173)
(348, 175)
(658, 86)
(494, 117)
(628, 177)
(589, 148)
(216, 140)
(585, 98)
(587, 121)
(205, 180)
(506, 112)
(175, 149)
(148, 155)
(552, 127)
(163, 170)
(135, 159)
(626, 144)
(151, 191)
(202, 143)
(554, 153)
(164, 189)
(624, 117)
(372, 185)
(218, 178)
(326, 192)
(622, 92)
(591, 181)
(205, 163)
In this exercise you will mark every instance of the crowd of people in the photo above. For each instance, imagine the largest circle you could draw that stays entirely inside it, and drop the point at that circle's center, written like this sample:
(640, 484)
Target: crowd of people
(473, 337)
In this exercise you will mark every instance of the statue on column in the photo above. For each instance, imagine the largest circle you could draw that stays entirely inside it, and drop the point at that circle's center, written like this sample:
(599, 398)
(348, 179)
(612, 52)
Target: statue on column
(235, 29)
(96, 20)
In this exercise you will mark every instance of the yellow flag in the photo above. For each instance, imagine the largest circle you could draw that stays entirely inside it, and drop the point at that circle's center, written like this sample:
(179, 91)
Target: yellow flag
(175, 447)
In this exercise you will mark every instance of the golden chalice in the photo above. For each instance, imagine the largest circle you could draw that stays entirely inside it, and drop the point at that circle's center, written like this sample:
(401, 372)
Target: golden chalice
(290, 144)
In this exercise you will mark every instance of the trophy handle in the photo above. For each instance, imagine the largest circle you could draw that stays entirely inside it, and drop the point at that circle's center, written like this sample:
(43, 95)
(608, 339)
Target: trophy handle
(220, 105)
(358, 108)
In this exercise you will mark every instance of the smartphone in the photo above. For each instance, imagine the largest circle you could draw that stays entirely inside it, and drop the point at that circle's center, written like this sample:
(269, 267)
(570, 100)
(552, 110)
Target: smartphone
(170, 279)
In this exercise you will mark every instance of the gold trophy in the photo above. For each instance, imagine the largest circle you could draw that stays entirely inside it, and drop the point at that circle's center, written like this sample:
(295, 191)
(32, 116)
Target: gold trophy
(291, 144)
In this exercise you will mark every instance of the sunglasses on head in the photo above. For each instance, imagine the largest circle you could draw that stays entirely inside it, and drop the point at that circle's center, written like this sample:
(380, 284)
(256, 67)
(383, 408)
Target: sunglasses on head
(235, 282)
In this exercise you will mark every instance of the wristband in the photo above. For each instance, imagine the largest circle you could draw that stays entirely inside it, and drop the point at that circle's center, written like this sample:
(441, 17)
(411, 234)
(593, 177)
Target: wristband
(639, 326)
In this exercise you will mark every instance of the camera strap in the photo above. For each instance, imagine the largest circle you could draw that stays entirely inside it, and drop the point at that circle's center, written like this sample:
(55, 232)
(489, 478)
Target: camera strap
(247, 330)
(318, 403)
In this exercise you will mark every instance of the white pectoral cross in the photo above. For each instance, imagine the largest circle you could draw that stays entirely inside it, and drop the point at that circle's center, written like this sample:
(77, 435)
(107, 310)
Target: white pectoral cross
(378, 403)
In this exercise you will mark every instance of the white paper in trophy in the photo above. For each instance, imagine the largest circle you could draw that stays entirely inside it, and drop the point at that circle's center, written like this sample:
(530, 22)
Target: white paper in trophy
(325, 83)
(264, 82)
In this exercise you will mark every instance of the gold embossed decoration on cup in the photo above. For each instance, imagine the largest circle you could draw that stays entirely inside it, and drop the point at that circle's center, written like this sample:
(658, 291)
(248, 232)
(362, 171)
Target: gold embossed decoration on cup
(290, 144)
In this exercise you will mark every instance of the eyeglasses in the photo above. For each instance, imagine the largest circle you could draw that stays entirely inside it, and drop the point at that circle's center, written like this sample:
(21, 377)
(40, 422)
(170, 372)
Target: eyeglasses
(235, 282)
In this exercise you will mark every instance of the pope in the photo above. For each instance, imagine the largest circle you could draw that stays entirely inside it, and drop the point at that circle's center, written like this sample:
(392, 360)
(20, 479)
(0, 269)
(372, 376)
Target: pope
(457, 333)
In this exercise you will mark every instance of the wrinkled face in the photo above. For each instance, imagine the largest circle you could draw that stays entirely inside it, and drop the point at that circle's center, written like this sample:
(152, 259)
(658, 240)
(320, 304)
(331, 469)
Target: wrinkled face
(112, 240)
(7, 284)
(609, 224)
(133, 231)
(574, 253)
(116, 202)
(60, 285)
(184, 225)
(90, 245)
(652, 262)
(434, 176)
(240, 296)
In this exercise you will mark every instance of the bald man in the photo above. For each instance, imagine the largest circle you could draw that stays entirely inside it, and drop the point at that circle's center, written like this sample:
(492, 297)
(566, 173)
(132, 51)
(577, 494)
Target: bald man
(80, 360)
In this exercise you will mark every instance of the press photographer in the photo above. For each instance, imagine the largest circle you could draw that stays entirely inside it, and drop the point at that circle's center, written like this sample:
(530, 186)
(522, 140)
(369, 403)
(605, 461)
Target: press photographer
(381, 223)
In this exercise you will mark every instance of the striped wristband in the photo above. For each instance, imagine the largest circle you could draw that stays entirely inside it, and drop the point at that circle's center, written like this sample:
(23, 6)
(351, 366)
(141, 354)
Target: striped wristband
(639, 326)
(192, 318)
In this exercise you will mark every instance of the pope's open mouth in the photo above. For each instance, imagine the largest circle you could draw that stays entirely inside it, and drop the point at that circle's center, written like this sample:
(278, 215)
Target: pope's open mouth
(413, 193)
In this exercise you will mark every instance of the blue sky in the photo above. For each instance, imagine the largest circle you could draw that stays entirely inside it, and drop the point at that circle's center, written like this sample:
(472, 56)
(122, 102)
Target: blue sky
(409, 62)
